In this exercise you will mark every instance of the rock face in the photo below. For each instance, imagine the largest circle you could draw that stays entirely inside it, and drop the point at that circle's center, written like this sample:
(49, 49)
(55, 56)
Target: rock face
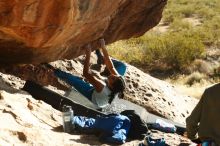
(156, 96)
(23, 117)
(34, 31)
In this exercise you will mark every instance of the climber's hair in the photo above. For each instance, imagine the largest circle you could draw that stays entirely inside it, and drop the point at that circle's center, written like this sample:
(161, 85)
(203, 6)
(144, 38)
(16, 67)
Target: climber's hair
(118, 88)
(118, 85)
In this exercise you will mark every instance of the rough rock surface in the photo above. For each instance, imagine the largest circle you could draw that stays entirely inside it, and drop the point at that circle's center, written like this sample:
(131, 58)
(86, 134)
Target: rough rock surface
(22, 117)
(33, 31)
(153, 94)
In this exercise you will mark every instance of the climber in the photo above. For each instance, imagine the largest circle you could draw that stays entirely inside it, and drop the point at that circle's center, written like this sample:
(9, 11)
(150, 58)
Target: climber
(204, 119)
(119, 66)
(101, 93)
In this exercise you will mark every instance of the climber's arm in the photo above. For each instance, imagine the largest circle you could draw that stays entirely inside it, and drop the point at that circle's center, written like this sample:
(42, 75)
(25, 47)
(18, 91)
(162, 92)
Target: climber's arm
(107, 58)
(86, 73)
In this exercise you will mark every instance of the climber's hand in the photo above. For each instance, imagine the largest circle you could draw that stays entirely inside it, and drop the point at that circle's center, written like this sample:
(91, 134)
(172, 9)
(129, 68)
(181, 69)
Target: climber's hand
(102, 43)
(88, 49)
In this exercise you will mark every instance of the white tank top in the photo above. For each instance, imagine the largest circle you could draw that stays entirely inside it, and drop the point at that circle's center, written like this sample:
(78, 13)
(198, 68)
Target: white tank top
(101, 98)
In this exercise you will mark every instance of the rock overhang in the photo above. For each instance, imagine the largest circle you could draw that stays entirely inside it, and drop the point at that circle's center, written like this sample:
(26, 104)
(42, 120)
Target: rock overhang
(36, 31)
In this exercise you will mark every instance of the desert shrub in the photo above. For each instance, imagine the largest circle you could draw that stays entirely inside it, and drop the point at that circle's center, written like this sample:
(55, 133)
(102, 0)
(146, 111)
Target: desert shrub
(169, 16)
(187, 10)
(126, 50)
(173, 49)
(213, 27)
(201, 66)
(204, 9)
(215, 75)
(195, 77)
(180, 25)
(182, 43)
(207, 9)
(205, 35)
(208, 32)
(206, 13)
(178, 9)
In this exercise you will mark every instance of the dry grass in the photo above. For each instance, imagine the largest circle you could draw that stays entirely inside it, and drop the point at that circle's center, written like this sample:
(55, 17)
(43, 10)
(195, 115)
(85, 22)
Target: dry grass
(195, 91)
(192, 85)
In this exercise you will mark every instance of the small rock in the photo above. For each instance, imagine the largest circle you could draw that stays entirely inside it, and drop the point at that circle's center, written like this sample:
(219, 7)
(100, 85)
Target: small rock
(149, 94)
(154, 90)
(132, 91)
(135, 85)
(164, 99)
(183, 115)
(1, 97)
(28, 100)
(22, 136)
(146, 99)
(30, 106)
(40, 102)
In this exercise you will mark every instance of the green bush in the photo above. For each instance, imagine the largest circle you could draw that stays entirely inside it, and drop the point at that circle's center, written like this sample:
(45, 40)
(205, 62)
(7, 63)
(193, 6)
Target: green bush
(126, 51)
(180, 25)
(175, 50)
(204, 9)
(182, 43)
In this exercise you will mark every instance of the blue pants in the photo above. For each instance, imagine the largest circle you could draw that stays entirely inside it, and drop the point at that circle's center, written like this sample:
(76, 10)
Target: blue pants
(83, 87)
(114, 128)
(119, 66)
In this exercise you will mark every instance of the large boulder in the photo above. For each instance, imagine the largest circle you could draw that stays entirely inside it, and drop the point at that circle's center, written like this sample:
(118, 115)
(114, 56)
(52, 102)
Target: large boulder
(156, 96)
(35, 31)
(26, 121)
